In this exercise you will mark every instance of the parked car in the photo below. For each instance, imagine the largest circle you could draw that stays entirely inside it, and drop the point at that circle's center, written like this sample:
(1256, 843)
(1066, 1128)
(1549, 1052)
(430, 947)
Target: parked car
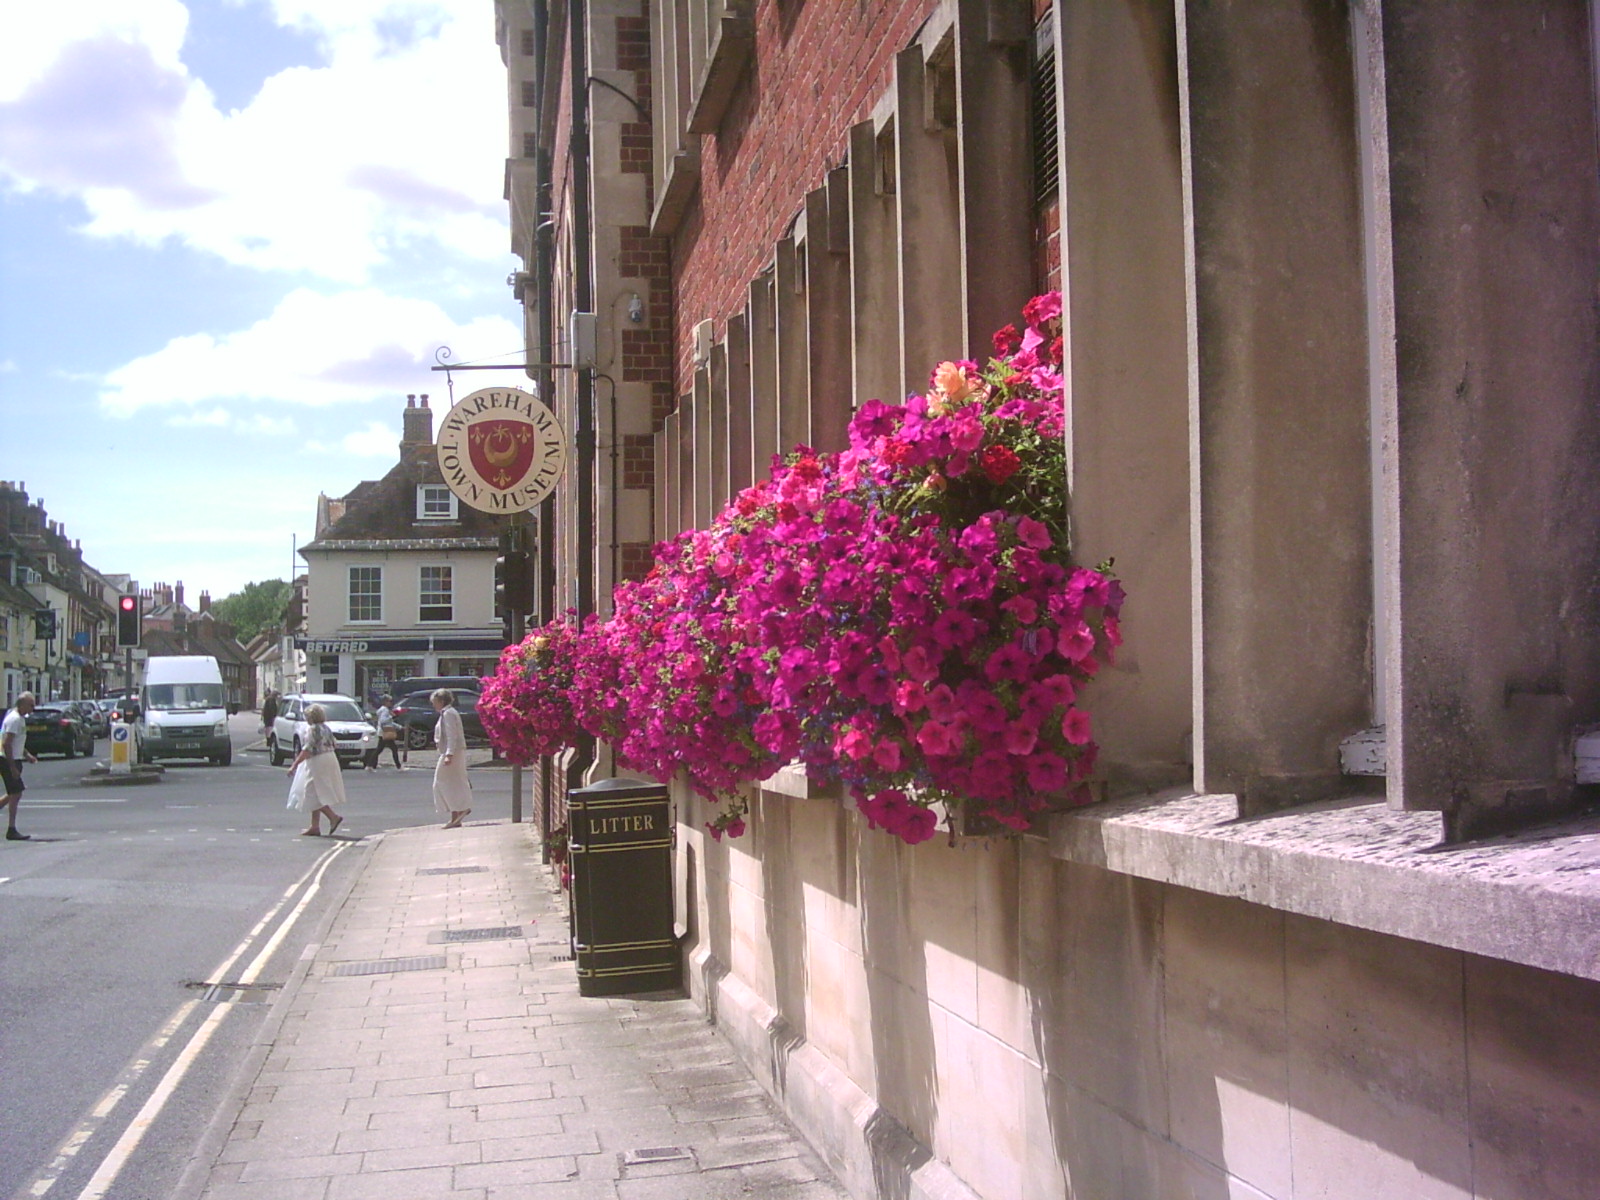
(353, 733)
(58, 729)
(417, 717)
(93, 716)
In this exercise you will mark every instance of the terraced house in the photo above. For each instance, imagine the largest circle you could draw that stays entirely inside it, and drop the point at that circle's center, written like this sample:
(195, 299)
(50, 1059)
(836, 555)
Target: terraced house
(1332, 384)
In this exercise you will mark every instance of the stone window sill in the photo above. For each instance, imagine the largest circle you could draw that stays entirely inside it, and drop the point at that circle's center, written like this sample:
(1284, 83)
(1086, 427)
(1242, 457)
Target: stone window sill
(1531, 897)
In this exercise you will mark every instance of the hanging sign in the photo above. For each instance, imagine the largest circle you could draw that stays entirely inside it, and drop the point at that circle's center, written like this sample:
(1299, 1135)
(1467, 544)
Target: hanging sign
(501, 450)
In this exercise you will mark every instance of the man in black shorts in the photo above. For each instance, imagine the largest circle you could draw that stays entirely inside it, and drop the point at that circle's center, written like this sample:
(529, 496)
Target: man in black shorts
(13, 753)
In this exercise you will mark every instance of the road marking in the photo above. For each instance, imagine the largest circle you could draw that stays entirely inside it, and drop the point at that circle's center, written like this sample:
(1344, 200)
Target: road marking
(62, 801)
(117, 1157)
(111, 1166)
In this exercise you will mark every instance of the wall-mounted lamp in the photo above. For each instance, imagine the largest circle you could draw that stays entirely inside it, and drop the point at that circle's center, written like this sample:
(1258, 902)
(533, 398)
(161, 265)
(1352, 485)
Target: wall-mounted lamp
(636, 310)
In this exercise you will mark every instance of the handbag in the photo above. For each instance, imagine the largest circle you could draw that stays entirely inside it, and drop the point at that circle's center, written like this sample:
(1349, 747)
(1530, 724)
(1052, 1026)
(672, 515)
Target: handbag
(389, 733)
(297, 785)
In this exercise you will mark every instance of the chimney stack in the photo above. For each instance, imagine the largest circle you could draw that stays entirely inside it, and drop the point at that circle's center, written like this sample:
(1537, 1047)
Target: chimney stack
(417, 428)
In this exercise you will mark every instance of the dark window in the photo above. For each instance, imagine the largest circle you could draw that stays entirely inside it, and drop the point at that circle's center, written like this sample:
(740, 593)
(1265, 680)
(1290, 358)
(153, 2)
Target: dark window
(530, 94)
(1046, 157)
(530, 145)
(527, 41)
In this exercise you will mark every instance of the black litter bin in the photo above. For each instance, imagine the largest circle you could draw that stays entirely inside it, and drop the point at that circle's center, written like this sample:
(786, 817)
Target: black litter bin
(621, 853)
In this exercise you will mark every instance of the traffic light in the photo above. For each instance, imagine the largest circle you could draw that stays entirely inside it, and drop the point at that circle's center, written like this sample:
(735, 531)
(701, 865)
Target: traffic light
(513, 582)
(128, 620)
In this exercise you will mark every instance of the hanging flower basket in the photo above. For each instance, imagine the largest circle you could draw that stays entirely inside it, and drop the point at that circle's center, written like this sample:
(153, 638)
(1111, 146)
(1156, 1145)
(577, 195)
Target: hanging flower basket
(903, 617)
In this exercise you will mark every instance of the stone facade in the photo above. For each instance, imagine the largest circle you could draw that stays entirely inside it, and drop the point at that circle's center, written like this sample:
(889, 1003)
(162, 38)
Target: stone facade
(1331, 390)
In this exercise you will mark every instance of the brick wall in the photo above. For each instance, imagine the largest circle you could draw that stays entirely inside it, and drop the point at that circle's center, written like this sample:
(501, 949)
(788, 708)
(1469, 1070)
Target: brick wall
(817, 70)
(645, 351)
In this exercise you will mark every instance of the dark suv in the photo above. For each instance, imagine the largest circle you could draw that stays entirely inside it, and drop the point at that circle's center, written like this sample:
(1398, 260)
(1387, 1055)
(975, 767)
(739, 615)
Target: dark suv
(417, 718)
(59, 729)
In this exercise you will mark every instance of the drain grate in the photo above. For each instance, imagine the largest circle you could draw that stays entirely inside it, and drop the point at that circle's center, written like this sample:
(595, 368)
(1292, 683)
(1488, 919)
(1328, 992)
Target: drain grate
(657, 1154)
(498, 933)
(451, 870)
(561, 958)
(233, 993)
(388, 966)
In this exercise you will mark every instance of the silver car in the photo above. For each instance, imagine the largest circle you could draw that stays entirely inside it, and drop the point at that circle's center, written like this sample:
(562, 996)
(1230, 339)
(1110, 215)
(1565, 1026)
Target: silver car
(354, 735)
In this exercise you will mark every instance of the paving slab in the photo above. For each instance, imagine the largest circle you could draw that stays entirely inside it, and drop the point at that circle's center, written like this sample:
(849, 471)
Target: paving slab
(489, 1075)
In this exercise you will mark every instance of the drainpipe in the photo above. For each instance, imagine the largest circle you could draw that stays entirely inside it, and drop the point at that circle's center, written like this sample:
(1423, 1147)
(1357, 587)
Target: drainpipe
(583, 286)
(544, 266)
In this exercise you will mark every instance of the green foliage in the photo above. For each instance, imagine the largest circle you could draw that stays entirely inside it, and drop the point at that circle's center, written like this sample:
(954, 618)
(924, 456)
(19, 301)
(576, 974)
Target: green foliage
(258, 606)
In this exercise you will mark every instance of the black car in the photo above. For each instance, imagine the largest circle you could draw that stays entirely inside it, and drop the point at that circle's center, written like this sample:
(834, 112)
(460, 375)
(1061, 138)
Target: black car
(417, 718)
(93, 716)
(58, 729)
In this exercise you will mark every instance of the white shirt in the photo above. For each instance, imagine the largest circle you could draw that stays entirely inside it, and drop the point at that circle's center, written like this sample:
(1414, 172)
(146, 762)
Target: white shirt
(14, 734)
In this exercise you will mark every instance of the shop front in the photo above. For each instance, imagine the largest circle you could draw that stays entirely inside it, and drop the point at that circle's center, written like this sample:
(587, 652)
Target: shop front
(367, 668)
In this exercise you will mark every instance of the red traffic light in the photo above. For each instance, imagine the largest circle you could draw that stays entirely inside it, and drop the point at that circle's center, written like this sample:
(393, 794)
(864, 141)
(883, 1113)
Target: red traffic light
(129, 619)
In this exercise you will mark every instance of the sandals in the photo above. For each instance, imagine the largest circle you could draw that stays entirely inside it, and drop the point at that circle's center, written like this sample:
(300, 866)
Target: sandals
(456, 818)
(333, 825)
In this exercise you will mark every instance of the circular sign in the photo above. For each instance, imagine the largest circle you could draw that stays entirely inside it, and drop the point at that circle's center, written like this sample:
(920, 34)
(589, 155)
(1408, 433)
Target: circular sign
(501, 450)
(119, 732)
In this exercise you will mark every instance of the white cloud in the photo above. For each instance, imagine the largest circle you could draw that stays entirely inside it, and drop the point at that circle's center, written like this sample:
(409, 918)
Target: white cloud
(398, 142)
(377, 440)
(211, 418)
(312, 350)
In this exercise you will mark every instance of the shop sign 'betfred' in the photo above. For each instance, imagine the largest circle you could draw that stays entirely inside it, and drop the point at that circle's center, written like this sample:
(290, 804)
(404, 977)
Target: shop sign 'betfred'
(501, 450)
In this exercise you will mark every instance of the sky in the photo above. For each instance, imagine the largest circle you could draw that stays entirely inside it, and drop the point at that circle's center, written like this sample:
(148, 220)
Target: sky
(233, 234)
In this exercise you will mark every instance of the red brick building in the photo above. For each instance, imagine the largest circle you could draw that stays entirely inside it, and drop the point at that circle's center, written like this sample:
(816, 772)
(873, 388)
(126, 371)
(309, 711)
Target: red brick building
(1332, 352)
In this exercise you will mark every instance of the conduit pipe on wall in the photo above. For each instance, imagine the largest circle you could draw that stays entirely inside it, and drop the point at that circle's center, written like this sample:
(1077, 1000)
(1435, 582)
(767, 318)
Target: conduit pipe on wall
(583, 756)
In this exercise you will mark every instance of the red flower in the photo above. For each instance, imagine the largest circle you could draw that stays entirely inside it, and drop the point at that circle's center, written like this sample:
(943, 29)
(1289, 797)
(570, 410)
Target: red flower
(998, 463)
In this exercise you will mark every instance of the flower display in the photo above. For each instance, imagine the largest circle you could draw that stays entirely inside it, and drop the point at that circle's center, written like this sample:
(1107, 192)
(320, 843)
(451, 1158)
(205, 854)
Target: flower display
(526, 705)
(902, 617)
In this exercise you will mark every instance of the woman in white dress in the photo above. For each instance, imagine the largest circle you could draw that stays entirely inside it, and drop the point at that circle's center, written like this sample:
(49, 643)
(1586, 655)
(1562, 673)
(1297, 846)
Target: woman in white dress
(318, 780)
(452, 793)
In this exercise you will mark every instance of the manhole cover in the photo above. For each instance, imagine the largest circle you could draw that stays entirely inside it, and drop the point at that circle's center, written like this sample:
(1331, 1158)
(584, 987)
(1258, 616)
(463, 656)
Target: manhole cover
(387, 966)
(451, 870)
(475, 935)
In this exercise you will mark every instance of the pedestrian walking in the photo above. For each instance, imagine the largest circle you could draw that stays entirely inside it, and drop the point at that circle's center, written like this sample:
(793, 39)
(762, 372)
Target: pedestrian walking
(269, 711)
(389, 735)
(13, 753)
(452, 792)
(317, 779)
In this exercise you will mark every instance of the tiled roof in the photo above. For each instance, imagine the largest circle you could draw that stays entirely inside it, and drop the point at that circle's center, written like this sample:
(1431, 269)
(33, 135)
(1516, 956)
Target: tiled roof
(382, 514)
(442, 543)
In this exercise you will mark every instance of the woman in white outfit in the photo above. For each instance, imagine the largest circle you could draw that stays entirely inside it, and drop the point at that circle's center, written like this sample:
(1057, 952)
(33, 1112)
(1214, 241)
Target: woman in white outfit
(452, 794)
(320, 785)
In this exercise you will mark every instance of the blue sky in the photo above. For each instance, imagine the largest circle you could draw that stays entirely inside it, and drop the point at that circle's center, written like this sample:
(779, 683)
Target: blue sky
(232, 235)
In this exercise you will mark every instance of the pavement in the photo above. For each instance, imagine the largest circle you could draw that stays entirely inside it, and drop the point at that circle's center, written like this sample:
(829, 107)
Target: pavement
(399, 1065)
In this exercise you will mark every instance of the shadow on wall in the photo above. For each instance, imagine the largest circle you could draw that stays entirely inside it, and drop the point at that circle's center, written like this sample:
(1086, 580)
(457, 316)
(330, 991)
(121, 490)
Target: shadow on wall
(903, 1050)
(784, 917)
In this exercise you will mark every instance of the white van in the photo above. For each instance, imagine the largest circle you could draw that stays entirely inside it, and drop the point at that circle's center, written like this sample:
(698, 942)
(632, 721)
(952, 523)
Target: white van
(183, 711)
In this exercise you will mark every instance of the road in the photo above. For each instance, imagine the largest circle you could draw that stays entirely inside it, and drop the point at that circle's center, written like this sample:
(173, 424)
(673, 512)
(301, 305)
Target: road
(126, 904)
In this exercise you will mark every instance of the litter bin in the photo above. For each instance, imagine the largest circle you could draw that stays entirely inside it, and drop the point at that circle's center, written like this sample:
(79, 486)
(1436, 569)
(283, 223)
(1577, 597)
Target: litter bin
(621, 854)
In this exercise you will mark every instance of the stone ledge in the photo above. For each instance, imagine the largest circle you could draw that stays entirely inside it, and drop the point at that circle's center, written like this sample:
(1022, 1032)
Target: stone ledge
(1531, 897)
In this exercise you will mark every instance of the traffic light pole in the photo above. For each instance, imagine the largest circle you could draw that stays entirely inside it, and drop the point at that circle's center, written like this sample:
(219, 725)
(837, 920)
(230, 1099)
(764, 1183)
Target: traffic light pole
(519, 537)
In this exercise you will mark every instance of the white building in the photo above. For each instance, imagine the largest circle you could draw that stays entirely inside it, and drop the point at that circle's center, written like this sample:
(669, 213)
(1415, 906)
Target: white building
(400, 578)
